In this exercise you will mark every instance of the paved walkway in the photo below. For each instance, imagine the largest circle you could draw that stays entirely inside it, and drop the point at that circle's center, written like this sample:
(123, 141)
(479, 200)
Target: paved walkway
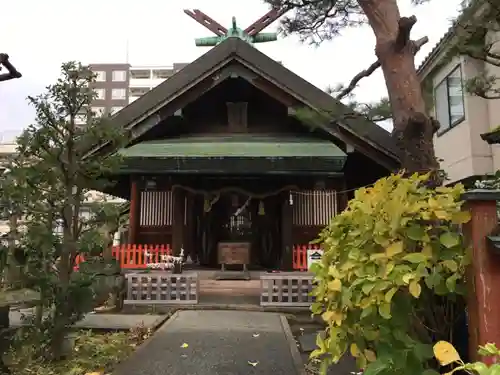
(102, 321)
(216, 343)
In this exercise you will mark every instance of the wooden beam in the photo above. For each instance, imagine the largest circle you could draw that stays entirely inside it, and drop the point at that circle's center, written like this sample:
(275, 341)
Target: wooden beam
(206, 21)
(264, 21)
(286, 233)
(190, 228)
(135, 211)
(178, 217)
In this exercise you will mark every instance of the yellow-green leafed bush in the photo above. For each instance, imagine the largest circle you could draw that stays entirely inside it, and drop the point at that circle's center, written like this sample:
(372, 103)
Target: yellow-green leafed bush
(395, 247)
(446, 354)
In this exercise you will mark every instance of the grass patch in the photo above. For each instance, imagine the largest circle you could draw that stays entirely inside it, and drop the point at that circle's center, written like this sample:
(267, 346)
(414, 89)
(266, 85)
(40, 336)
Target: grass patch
(93, 353)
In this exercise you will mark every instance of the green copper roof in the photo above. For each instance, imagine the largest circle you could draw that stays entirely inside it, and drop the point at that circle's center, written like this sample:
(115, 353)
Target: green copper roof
(234, 146)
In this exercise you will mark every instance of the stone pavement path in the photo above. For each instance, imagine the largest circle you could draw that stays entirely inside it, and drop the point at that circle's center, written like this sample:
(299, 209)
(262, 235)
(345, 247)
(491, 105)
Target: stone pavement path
(102, 321)
(218, 343)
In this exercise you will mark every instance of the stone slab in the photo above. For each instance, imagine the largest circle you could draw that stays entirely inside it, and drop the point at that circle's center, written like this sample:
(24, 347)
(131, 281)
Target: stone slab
(232, 275)
(104, 321)
(308, 342)
(218, 343)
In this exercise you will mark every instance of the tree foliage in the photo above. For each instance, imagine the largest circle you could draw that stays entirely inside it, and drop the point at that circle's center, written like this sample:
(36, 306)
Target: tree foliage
(51, 176)
(388, 257)
(447, 355)
(476, 36)
(316, 21)
(413, 129)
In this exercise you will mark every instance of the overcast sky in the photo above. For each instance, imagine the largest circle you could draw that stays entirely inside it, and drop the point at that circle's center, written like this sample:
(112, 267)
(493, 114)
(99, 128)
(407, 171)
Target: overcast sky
(40, 35)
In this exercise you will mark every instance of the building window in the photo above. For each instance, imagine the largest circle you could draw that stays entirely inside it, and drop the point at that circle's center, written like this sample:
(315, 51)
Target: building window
(100, 94)
(114, 110)
(449, 100)
(119, 75)
(140, 74)
(118, 94)
(100, 76)
(98, 111)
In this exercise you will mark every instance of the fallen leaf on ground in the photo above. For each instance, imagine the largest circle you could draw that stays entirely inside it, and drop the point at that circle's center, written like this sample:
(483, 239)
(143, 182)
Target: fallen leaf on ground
(184, 355)
(253, 363)
(184, 345)
(256, 335)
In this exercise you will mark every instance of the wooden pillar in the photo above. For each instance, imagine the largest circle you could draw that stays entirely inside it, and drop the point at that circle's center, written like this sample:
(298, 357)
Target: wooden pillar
(286, 233)
(135, 212)
(342, 198)
(178, 217)
(189, 230)
(483, 276)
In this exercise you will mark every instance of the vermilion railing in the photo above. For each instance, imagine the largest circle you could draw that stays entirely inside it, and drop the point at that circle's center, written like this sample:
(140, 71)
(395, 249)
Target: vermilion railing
(300, 256)
(134, 256)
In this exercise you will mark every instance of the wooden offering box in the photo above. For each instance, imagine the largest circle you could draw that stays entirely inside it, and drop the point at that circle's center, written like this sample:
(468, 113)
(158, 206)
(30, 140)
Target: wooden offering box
(233, 253)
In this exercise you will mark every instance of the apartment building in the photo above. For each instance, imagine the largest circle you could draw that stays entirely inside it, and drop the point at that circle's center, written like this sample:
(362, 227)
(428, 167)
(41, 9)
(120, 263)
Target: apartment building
(120, 84)
(463, 117)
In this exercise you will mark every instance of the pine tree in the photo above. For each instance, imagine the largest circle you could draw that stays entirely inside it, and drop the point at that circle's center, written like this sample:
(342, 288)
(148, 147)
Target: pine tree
(476, 36)
(319, 20)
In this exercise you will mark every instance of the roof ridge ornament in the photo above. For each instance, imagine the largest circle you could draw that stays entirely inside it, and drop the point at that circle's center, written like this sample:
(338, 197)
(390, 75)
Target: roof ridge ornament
(252, 34)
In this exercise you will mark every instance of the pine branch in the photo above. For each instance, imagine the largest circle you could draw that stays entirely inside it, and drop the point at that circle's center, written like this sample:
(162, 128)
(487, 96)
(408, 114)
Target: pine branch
(11, 70)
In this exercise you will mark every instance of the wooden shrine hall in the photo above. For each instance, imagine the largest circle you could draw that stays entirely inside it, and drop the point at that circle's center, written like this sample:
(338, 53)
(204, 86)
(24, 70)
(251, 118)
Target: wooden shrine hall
(220, 154)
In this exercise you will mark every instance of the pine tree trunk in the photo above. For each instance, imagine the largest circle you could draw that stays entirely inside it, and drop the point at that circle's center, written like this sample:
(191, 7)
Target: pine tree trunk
(413, 128)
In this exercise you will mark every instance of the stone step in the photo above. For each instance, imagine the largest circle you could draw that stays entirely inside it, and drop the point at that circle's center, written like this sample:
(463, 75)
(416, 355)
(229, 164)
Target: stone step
(240, 284)
(230, 287)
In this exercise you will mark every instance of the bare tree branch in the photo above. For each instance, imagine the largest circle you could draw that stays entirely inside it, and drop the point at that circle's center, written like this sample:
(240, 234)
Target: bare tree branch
(12, 72)
(405, 26)
(374, 66)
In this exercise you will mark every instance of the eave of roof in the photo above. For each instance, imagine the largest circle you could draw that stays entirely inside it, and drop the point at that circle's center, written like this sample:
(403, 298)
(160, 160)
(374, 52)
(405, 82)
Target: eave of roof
(248, 145)
(438, 48)
(238, 50)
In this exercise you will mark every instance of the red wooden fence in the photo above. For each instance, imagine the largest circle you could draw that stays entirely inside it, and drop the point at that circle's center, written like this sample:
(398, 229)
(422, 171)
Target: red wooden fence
(133, 257)
(300, 256)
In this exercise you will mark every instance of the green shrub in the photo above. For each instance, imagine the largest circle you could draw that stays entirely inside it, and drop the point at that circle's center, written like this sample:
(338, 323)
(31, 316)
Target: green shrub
(395, 248)
(446, 354)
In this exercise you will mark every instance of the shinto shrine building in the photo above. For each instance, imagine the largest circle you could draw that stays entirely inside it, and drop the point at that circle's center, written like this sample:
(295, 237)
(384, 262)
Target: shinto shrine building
(220, 154)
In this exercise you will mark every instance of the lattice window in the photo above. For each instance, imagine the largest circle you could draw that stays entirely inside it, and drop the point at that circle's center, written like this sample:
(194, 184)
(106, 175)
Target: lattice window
(313, 207)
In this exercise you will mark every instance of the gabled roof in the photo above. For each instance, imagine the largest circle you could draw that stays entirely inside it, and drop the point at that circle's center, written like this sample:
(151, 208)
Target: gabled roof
(235, 49)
